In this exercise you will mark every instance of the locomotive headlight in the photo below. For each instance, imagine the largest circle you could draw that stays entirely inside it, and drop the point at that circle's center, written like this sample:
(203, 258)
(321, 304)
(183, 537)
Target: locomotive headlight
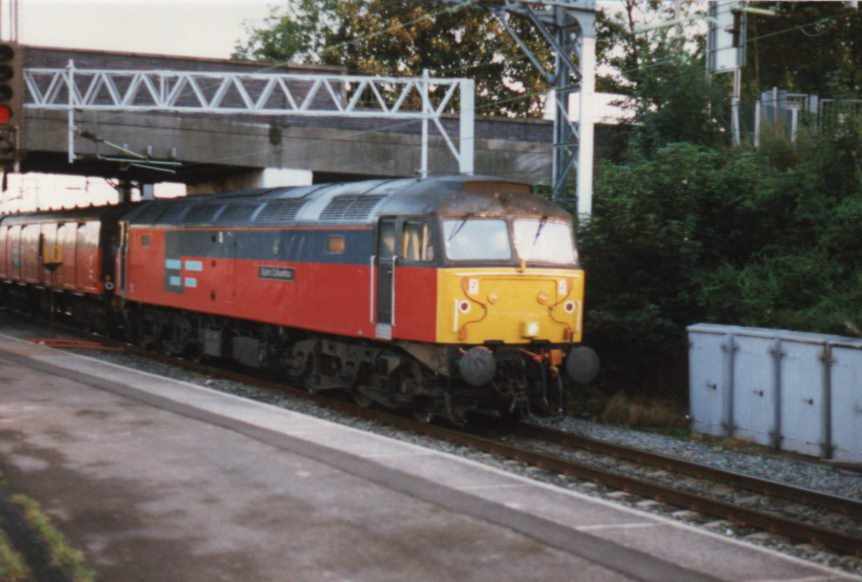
(529, 329)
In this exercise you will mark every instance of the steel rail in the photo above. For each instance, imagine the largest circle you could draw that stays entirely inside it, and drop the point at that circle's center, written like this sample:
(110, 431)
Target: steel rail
(844, 505)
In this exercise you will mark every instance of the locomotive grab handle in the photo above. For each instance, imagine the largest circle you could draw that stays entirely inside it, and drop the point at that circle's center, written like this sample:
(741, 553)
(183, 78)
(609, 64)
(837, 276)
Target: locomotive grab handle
(392, 308)
(371, 285)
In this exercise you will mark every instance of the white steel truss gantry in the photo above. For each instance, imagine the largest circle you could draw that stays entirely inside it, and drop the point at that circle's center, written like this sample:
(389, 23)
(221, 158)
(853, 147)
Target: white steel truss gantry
(423, 99)
(568, 29)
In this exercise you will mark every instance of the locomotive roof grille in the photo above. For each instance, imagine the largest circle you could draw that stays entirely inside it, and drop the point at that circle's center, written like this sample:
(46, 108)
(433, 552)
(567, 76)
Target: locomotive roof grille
(150, 213)
(203, 213)
(237, 213)
(350, 207)
(174, 214)
(279, 211)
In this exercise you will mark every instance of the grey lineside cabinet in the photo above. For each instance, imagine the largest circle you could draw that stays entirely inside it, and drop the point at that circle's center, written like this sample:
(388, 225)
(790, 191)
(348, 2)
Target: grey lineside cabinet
(789, 390)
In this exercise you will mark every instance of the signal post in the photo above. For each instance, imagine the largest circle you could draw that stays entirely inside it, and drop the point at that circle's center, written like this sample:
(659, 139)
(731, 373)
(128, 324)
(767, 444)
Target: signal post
(11, 105)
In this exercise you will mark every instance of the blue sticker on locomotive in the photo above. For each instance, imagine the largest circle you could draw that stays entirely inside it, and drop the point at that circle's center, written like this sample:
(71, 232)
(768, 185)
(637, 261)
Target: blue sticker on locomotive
(280, 273)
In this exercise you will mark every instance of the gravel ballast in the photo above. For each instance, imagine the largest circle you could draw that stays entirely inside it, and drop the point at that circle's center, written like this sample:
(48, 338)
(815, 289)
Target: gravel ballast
(765, 464)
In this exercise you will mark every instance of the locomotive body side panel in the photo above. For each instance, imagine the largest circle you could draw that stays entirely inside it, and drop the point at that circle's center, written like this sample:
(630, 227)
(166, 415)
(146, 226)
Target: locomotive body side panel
(145, 269)
(415, 303)
(279, 276)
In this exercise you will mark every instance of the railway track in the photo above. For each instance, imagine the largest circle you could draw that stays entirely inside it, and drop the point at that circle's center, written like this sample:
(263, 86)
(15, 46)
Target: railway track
(843, 505)
(528, 444)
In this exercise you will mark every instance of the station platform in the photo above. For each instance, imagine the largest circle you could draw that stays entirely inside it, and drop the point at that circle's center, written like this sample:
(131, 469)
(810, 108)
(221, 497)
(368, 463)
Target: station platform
(158, 479)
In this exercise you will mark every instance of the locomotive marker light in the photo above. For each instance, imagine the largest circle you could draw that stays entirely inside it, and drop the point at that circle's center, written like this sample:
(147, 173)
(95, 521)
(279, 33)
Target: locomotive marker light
(11, 100)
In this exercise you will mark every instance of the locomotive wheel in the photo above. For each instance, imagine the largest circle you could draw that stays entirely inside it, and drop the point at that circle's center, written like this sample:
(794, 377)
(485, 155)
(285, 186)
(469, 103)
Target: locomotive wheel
(361, 400)
(298, 367)
(424, 416)
(423, 410)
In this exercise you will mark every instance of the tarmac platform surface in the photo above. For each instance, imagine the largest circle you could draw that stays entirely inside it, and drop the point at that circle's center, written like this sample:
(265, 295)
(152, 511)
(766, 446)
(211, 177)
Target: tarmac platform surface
(158, 479)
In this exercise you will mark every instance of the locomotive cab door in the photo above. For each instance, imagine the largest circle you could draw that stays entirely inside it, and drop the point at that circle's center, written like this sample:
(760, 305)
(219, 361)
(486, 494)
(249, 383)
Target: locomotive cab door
(384, 279)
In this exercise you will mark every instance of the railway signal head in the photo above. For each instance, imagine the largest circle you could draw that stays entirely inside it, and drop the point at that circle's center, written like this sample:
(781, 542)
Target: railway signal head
(11, 101)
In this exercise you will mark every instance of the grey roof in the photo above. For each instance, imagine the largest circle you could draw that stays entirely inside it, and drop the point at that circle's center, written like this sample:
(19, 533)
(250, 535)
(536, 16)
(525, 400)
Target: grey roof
(350, 202)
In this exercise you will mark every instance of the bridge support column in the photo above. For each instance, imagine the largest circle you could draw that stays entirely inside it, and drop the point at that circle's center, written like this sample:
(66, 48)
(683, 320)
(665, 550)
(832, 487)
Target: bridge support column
(265, 178)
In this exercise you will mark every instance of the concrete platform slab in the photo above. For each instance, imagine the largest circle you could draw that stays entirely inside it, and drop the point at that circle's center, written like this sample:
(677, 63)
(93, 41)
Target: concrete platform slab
(163, 480)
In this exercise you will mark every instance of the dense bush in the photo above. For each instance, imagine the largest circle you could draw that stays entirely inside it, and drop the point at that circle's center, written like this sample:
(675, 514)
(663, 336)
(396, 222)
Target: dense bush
(730, 235)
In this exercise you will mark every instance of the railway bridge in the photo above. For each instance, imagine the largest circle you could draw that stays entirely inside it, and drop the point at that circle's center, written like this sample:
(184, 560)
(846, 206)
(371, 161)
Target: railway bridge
(216, 152)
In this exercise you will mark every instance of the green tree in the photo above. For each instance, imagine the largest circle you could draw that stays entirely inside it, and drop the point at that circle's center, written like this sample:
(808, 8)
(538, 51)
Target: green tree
(405, 37)
(691, 233)
(809, 47)
(660, 73)
(295, 33)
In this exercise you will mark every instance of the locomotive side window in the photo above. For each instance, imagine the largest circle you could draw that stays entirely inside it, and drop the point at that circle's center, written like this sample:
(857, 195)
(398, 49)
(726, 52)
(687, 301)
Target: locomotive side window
(387, 239)
(416, 244)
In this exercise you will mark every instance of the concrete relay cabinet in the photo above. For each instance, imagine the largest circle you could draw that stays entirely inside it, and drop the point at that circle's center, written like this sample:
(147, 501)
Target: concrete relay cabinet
(789, 390)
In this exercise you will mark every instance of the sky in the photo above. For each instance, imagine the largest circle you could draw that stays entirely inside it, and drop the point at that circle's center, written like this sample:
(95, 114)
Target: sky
(206, 28)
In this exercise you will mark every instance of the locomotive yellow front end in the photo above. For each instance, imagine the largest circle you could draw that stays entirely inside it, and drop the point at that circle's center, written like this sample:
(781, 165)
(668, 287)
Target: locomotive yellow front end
(509, 305)
(510, 302)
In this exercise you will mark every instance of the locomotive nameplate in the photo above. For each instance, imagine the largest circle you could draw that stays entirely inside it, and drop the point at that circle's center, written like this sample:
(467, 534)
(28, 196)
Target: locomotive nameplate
(280, 273)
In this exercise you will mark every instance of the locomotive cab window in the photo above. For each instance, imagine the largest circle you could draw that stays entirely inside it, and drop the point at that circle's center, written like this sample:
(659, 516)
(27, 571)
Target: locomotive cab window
(545, 240)
(416, 242)
(469, 239)
(387, 239)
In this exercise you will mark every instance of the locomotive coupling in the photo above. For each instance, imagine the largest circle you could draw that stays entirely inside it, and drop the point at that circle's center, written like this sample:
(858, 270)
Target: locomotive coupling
(582, 364)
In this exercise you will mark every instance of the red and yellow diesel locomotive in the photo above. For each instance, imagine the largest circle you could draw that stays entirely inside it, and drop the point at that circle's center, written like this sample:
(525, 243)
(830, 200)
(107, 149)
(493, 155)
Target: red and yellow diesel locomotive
(446, 295)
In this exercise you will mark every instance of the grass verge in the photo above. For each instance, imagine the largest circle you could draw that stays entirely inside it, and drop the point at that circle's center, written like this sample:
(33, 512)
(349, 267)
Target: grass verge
(13, 568)
(57, 551)
(643, 413)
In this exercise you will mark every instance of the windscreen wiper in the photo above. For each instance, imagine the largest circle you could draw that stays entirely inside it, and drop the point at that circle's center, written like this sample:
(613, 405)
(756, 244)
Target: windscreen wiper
(460, 226)
(539, 229)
